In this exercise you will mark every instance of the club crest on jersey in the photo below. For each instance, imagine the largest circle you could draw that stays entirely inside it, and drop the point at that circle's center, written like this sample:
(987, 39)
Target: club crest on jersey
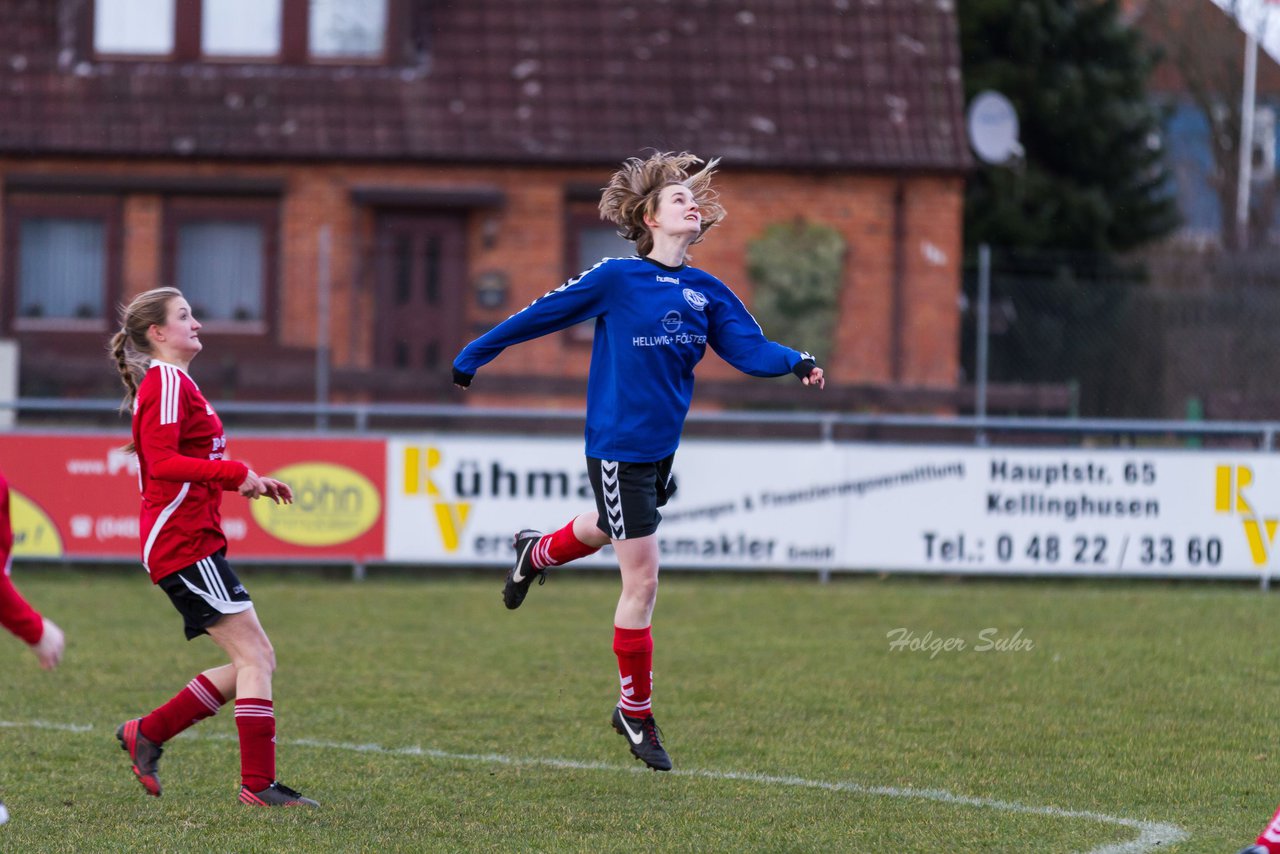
(672, 321)
(696, 299)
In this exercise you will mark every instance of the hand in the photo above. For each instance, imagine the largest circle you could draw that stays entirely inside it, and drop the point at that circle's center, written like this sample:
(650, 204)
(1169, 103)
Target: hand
(50, 646)
(277, 490)
(460, 379)
(815, 378)
(252, 486)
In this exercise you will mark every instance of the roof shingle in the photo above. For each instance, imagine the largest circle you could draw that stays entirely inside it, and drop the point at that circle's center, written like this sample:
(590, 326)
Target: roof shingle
(849, 84)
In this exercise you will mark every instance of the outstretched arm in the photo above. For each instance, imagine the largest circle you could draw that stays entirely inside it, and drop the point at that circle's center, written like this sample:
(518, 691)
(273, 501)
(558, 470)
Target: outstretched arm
(16, 614)
(738, 339)
(578, 299)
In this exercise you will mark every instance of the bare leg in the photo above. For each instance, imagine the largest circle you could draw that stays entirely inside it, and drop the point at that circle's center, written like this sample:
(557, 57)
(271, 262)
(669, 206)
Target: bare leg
(224, 679)
(253, 659)
(638, 562)
(588, 532)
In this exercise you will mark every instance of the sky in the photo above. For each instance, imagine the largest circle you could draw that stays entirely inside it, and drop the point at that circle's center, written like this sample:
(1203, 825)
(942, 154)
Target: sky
(1263, 16)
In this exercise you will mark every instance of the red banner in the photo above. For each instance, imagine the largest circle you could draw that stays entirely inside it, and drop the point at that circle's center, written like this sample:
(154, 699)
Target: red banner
(77, 496)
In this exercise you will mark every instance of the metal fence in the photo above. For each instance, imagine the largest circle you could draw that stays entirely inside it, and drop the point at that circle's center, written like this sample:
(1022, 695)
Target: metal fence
(362, 418)
(1178, 334)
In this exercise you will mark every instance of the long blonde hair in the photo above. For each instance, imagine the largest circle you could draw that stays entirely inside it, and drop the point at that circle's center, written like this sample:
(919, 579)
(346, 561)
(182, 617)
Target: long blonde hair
(130, 347)
(634, 190)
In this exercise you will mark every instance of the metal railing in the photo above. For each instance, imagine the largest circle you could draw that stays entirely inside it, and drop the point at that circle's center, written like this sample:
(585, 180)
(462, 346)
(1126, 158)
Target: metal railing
(361, 418)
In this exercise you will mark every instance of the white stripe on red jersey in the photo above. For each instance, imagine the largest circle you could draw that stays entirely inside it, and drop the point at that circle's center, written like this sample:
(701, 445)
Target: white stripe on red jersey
(181, 471)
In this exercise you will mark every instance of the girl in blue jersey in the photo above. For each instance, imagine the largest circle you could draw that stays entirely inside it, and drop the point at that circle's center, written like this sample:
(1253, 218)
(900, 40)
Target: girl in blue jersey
(654, 318)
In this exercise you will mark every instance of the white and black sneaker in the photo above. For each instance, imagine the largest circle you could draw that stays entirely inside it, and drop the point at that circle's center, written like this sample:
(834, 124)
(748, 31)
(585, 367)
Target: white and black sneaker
(644, 738)
(521, 575)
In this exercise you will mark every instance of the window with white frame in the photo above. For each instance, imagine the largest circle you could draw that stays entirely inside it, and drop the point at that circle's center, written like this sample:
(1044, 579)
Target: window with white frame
(291, 31)
(241, 28)
(342, 29)
(133, 27)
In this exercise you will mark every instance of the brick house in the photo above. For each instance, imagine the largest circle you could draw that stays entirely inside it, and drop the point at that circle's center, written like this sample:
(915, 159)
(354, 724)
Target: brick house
(417, 170)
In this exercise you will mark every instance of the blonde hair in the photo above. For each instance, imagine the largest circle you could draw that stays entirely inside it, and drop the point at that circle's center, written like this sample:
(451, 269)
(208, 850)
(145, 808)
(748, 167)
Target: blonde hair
(634, 190)
(130, 347)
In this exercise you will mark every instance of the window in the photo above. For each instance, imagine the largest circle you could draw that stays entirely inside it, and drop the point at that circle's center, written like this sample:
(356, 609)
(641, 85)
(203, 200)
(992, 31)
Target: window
(62, 264)
(133, 27)
(290, 31)
(348, 28)
(241, 28)
(220, 269)
(601, 241)
(221, 253)
(590, 240)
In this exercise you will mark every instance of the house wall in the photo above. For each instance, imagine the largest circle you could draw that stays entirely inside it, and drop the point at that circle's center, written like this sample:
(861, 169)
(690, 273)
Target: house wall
(915, 281)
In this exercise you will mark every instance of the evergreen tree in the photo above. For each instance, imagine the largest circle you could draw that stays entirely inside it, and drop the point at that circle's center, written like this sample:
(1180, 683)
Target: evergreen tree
(1090, 186)
(1093, 178)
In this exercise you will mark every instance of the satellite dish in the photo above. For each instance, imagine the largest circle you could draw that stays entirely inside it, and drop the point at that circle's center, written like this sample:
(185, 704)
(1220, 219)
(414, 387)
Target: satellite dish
(993, 128)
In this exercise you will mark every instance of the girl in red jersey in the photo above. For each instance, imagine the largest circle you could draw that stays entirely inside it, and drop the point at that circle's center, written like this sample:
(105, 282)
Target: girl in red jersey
(41, 634)
(182, 472)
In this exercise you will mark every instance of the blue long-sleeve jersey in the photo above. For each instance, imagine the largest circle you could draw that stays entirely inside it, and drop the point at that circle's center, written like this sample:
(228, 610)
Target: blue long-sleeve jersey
(653, 325)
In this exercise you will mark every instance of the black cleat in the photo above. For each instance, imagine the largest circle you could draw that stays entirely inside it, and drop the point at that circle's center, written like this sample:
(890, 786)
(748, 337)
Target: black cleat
(644, 739)
(275, 795)
(516, 589)
(1253, 849)
(144, 752)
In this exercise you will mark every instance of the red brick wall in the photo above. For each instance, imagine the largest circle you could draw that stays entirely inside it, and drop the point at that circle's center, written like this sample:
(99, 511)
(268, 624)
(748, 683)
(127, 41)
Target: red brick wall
(529, 246)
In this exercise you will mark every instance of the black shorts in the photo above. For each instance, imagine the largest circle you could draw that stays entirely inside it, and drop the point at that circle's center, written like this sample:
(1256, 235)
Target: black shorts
(204, 592)
(628, 495)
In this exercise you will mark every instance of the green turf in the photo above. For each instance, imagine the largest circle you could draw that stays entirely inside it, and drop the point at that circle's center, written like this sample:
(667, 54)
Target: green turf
(1151, 702)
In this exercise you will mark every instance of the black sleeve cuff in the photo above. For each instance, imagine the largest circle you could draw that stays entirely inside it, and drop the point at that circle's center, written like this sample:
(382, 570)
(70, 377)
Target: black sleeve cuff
(803, 368)
(459, 378)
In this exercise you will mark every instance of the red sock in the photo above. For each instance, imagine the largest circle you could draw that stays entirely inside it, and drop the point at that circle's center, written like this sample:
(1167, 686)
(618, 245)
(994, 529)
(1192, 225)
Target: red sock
(560, 547)
(1270, 838)
(634, 648)
(191, 705)
(256, 723)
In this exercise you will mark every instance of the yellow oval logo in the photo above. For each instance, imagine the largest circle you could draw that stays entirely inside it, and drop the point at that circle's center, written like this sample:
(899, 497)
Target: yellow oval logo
(331, 505)
(34, 534)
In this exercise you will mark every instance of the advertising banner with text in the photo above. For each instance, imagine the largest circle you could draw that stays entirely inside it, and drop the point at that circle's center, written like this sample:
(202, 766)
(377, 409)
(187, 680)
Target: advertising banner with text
(777, 505)
(76, 496)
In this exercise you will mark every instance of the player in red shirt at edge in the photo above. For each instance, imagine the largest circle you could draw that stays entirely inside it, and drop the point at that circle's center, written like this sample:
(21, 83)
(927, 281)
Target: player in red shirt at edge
(182, 472)
(42, 635)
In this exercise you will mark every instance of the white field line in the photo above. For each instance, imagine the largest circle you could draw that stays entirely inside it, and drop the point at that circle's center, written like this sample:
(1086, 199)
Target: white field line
(1151, 835)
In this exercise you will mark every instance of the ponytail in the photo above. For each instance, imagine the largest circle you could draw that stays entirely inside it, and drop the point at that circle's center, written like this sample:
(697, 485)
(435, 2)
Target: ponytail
(130, 348)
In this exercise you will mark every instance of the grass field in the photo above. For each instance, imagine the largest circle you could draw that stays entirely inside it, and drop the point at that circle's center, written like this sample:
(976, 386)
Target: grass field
(425, 717)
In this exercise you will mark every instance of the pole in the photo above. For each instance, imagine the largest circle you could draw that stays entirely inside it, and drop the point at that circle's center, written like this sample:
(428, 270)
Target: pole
(983, 330)
(322, 328)
(1246, 136)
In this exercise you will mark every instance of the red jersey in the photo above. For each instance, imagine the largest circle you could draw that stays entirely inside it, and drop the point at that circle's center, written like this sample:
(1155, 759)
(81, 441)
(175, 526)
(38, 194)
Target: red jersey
(181, 471)
(15, 614)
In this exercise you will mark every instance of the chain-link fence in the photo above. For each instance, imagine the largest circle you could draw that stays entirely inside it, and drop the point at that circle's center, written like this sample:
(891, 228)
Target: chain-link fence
(1175, 335)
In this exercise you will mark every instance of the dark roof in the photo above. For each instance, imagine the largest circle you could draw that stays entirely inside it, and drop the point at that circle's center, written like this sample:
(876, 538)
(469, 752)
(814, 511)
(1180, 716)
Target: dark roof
(847, 84)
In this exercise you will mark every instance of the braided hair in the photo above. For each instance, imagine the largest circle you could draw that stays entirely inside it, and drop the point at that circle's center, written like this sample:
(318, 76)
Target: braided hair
(130, 347)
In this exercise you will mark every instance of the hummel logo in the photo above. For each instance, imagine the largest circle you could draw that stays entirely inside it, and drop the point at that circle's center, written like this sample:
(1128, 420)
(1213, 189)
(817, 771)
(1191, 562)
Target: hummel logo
(636, 737)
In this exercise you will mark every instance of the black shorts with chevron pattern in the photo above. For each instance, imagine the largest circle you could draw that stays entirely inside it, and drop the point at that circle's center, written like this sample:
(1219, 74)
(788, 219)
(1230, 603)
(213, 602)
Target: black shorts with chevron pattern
(628, 495)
